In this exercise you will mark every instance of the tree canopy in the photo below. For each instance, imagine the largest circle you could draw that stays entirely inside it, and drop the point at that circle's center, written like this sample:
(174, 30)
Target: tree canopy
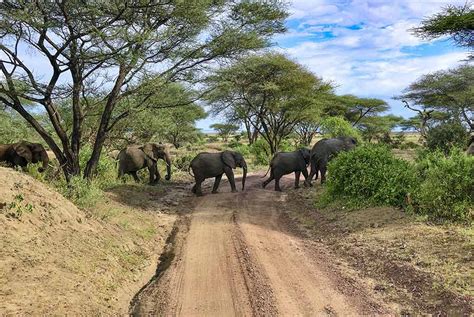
(224, 130)
(269, 92)
(99, 54)
(448, 91)
(457, 22)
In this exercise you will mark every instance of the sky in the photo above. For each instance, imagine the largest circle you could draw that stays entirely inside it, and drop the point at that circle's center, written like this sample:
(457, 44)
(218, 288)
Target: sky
(365, 47)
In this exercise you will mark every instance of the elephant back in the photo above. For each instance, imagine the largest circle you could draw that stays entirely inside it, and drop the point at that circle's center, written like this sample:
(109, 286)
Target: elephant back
(131, 157)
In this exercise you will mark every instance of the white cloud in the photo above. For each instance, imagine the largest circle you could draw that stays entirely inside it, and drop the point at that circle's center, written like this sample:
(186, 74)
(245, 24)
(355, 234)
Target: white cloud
(371, 59)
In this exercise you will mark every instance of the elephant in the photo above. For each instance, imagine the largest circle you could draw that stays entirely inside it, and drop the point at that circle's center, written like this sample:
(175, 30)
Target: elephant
(207, 165)
(284, 163)
(323, 151)
(134, 158)
(22, 153)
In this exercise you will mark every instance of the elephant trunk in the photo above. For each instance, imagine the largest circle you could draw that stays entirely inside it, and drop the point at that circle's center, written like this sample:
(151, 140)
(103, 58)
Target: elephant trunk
(244, 167)
(168, 166)
(45, 160)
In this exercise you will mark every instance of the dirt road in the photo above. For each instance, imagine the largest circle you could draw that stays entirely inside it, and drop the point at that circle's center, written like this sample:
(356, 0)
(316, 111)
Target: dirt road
(237, 255)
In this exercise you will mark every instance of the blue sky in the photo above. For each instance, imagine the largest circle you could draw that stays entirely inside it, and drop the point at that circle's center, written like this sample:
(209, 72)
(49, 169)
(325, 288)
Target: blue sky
(365, 46)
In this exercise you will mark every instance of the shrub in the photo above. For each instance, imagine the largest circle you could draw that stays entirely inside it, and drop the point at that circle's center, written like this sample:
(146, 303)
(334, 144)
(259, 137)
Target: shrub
(446, 189)
(106, 172)
(370, 175)
(409, 145)
(212, 138)
(242, 149)
(332, 127)
(261, 150)
(445, 136)
(181, 162)
(234, 144)
(80, 191)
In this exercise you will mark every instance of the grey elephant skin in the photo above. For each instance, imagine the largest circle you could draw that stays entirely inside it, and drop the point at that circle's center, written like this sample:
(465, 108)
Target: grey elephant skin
(22, 153)
(284, 163)
(323, 151)
(208, 165)
(134, 158)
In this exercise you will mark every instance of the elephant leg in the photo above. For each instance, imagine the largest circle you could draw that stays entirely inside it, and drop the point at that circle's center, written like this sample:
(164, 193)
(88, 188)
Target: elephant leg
(198, 189)
(135, 176)
(230, 176)
(277, 184)
(297, 179)
(216, 183)
(152, 171)
(313, 172)
(322, 169)
(265, 183)
(306, 177)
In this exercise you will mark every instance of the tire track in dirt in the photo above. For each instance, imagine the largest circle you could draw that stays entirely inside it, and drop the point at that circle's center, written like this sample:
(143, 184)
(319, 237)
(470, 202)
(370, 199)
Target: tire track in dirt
(236, 258)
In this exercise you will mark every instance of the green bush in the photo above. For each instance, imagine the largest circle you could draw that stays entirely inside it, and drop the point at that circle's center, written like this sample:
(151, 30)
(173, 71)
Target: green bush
(370, 175)
(80, 191)
(446, 189)
(242, 149)
(181, 161)
(445, 136)
(409, 145)
(261, 150)
(106, 172)
(212, 138)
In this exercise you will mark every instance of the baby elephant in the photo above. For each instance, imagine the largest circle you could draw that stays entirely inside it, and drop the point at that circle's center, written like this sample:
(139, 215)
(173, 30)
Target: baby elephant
(207, 165)
(288, 162)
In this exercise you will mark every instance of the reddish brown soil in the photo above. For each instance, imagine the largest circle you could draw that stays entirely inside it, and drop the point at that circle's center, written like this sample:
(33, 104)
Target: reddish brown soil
(236, 255)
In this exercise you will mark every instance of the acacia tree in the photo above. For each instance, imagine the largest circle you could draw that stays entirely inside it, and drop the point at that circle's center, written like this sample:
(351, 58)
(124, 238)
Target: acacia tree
(356, 109)
(457, 22)
(224, 130)
(378, 127)
(448, 91)
(109, 49)
(274, 90)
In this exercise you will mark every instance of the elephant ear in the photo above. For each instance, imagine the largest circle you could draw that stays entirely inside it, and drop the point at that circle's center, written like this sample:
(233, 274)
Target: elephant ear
(228, 159)
(24, 152)
(148, 150)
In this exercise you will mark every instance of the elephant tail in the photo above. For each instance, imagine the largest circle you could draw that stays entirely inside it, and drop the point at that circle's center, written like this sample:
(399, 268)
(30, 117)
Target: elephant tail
(266, 172)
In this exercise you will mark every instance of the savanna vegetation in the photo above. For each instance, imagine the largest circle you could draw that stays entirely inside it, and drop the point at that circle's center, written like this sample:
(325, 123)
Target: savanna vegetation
(116, 73)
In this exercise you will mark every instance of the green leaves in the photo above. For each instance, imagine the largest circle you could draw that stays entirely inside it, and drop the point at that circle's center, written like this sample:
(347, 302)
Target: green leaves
(333, 127)
(454, 21)
(448, 91)
(370, 174)
(268, 91)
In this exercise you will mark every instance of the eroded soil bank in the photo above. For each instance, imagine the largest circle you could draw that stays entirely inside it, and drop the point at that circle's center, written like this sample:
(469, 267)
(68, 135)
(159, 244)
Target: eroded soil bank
(56, 259)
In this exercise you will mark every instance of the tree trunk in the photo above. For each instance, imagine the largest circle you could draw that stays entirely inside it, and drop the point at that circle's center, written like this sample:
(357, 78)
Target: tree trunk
(104, 123)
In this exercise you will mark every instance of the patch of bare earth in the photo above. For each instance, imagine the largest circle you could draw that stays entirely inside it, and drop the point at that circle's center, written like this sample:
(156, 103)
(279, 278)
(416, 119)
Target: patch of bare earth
(237, 254)
(422, 267)
(56, 259)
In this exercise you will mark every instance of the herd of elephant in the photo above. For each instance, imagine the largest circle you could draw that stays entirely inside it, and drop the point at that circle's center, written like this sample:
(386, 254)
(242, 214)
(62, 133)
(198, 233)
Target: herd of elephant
(215, 165)
(203, 166)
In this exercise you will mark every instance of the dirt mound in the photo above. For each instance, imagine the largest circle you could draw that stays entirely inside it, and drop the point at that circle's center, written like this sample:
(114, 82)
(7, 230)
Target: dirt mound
(58, 259)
